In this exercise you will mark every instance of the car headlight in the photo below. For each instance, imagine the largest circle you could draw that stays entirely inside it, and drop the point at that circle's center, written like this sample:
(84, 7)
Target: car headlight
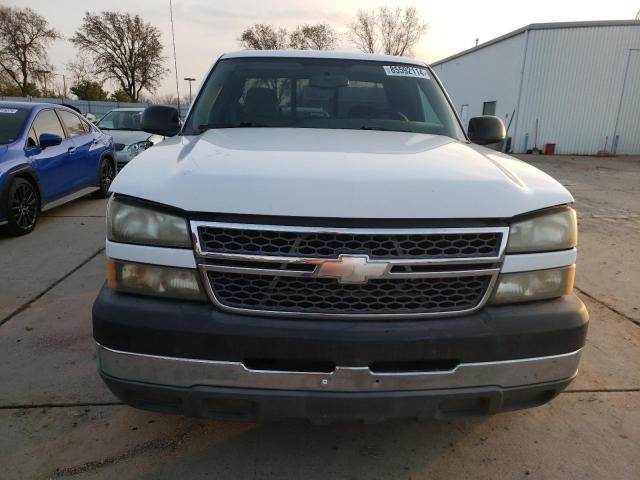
(536, 285)
(132, 222)
(154, 280)
(135, 148)
(556, 230)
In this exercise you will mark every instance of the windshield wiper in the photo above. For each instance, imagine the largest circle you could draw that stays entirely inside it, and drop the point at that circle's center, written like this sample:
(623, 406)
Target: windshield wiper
(233, 125)
(383, 129)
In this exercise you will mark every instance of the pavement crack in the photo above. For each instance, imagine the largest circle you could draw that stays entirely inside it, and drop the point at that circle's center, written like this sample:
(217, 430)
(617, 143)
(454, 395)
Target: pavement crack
(160, 444)
(38, 296)
(607, 306)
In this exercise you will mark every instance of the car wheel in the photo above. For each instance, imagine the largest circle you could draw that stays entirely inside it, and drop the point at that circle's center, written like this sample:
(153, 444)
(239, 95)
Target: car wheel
(22, 206)
(106, 174)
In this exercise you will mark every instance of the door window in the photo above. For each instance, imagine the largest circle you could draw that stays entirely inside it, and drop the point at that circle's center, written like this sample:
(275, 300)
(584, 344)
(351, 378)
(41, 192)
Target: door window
(32, 139)
(47, 122)
(72, 123)
(86, 126)
(464, 116)
(489, 108)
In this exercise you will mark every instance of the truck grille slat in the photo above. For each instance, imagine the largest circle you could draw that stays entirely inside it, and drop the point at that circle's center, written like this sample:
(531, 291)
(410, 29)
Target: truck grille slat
(330, 245)
(327, 296)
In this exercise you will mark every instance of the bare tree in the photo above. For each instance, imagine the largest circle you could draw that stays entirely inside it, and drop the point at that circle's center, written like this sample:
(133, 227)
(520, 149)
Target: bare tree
(313, 37)
(263, 37)
(81, 69)
(125, 49)
(24, 38)
(389, 31)
(362, 32)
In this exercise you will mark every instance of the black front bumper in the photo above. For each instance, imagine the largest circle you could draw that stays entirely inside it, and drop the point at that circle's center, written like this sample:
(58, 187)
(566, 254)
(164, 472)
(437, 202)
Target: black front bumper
(201, 331)
(243, 404)
(180, 330)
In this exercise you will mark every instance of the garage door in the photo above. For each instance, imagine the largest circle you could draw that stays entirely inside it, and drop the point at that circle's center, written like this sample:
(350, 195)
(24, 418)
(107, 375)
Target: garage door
(628, 125)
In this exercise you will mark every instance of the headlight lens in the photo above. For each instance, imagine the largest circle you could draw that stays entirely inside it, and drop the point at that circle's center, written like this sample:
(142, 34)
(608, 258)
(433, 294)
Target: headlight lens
(536, 285)
(130, 222)
(153, 280)
(552, 231)
(135, 148)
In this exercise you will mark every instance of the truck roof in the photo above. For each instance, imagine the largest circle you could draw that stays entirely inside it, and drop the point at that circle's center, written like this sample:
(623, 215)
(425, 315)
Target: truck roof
(321, 54)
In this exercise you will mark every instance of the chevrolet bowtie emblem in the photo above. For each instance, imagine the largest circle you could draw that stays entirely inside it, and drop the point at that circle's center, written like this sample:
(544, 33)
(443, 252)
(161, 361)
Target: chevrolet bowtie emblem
(353, 269)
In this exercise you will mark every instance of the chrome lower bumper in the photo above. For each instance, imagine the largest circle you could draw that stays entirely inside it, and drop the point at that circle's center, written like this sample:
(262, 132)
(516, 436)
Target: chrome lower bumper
(181, 372)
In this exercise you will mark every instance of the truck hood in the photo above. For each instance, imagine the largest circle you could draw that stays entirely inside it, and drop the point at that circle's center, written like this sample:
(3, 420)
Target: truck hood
(337, 173)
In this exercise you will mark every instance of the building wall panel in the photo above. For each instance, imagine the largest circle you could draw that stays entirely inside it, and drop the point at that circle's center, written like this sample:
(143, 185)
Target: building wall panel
(484, 75)
(573, 85)
(628, 123)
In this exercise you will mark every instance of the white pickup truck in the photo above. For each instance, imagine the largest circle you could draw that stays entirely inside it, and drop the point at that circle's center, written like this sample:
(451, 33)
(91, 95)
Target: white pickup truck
(321, 239)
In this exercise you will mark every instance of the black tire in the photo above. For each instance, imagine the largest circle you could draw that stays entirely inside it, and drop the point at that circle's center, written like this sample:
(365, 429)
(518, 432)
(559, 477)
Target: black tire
(106, 174)
(22, 206)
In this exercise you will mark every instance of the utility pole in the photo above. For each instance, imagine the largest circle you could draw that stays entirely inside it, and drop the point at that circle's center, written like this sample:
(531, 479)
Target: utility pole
(189, 79)
(44, 74)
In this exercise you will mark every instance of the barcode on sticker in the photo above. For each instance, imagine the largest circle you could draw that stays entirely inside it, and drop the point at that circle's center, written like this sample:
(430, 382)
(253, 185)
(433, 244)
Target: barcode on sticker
(406, 71)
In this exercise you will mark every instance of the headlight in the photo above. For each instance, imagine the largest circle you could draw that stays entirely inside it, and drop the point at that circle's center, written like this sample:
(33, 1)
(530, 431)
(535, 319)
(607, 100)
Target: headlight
(131, 222)
(153, 280)
(135, 148)
(557, 230)
(536, 285)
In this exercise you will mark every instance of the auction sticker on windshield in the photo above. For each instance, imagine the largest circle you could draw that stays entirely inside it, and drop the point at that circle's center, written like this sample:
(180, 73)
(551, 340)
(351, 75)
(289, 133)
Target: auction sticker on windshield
(405, 71)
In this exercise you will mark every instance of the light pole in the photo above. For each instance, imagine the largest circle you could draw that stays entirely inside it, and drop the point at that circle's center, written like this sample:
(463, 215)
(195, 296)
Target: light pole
(44, 74)
(189, 79)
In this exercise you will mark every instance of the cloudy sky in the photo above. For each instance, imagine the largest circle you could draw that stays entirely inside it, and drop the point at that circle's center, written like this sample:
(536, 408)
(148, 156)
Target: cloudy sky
(207, 28)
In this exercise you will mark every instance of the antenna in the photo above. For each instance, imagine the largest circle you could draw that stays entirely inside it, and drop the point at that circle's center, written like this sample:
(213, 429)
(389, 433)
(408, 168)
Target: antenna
(175, 60)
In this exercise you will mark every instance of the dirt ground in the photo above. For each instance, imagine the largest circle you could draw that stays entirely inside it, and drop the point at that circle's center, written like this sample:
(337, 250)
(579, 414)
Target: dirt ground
(57, 420)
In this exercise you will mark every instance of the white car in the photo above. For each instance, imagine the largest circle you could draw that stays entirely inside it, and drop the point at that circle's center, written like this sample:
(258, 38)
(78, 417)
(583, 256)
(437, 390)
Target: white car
(129, 140)
(370, 261)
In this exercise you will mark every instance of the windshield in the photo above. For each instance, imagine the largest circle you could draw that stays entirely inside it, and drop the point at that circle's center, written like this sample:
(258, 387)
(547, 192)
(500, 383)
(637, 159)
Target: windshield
(12, 121)
(121, 120)
(321, 93)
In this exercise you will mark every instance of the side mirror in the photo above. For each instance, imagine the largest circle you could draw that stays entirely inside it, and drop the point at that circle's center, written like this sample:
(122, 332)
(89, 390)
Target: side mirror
(161, 120)
(49, 140)
(486, 129)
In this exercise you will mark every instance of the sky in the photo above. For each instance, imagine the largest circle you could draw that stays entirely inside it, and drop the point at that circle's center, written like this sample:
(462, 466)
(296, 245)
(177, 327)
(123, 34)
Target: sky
(205, 29)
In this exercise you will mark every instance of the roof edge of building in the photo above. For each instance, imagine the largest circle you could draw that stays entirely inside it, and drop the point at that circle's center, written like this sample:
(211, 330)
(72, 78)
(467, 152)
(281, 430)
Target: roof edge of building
(540, 26)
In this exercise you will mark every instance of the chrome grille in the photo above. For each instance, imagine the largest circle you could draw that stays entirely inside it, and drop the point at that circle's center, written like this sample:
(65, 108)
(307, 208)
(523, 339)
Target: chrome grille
(353, 272)
(332, 244)
(327, 296)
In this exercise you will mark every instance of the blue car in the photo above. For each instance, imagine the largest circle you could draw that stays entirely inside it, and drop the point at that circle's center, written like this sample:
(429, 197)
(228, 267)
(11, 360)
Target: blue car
(49, 155)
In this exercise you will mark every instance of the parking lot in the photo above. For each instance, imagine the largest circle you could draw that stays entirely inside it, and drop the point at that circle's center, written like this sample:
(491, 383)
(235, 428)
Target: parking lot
(59, 421)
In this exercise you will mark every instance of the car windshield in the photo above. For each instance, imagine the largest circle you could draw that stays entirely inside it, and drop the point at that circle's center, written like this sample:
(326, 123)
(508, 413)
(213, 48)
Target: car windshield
(322, 93)
(12, 121)
(121, 120)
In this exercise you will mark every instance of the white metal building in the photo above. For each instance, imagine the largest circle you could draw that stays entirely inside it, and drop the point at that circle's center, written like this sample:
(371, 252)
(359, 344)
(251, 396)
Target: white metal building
(575, 85)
